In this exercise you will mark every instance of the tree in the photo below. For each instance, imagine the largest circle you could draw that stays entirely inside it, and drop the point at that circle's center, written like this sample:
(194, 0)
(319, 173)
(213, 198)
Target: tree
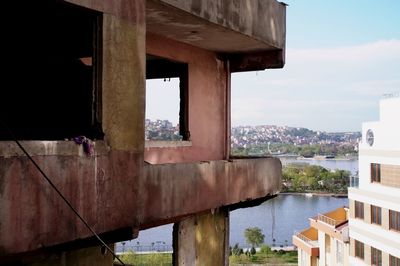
(254, 236)
(236, 250)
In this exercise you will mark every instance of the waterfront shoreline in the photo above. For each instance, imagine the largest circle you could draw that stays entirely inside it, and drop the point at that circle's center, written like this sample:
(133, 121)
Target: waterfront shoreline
(327, 159)
(324, 194)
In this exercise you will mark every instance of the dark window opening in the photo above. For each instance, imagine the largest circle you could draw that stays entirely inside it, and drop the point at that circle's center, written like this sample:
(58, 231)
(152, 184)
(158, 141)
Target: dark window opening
(394, 261)
(52, 72)
(394, 220)
(376, 215)
(376, 257)
(359, 209)
(359, 249)
(375, 172)
(161, 73)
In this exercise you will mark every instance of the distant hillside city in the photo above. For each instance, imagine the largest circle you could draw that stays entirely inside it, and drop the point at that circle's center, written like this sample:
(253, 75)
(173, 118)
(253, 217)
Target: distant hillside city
(271, 139)
(161, 130)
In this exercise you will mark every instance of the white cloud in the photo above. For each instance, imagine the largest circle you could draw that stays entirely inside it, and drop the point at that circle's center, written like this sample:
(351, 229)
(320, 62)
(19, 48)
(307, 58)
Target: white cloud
(362, 53)
(328, 89)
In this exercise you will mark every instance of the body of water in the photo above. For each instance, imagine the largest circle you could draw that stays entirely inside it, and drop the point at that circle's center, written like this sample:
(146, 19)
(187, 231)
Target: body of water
(281, 217)
(278, 218)
(331, 164)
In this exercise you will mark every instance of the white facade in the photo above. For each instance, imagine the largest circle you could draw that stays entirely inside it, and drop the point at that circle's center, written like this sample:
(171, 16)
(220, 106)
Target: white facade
(326, 241)
(378, 193)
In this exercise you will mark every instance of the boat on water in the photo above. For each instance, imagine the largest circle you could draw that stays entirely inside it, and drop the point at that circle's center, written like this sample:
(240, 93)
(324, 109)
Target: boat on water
(308, 194)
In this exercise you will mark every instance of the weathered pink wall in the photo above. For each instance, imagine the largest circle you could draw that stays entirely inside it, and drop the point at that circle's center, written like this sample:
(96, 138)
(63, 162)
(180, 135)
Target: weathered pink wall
(170, 191)
(207, 102)
(103, 188)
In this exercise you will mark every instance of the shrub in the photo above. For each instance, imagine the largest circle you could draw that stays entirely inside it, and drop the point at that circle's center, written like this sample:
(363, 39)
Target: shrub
(252, 251)
(265, 249)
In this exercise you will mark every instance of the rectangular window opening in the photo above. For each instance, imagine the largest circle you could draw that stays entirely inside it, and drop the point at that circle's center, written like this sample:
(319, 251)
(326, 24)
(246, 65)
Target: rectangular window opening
(394, 220)
(376, 257)
(53, 62)
(166, 100)
(394, 261)
(359, 249)
(376, 215)
(375, 172)
(359, 209)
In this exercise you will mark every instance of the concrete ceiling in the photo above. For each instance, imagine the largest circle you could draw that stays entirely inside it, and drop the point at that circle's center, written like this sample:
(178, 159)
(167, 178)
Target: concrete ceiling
(177, 24)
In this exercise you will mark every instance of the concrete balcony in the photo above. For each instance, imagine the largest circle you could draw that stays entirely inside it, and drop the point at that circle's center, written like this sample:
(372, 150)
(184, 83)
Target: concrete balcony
(116, 192)
(256, 29)
(307, 240)
(171, 191)
(334, 223)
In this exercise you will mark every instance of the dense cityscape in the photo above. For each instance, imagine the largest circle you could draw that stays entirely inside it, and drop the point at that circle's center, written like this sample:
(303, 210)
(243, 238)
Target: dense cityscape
(161, 130)
(271, 139)
(245, 136)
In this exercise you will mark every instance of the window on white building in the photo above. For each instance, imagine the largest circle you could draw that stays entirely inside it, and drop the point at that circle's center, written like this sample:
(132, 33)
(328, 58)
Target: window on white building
(359, 209)
(394, 220)
(394, 261)
(359, 249)
(376, 257)
(376, 215)
(375, 172)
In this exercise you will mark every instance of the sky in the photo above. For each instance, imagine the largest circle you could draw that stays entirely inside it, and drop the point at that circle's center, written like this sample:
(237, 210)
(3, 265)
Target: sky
(341, 57)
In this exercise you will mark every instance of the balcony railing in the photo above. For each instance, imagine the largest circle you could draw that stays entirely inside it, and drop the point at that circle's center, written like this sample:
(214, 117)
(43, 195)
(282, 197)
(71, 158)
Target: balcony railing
(328, 220)
(306, 239)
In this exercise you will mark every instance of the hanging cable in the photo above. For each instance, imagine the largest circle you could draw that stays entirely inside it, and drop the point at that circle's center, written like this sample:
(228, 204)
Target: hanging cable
(273, 220)
(60, 194)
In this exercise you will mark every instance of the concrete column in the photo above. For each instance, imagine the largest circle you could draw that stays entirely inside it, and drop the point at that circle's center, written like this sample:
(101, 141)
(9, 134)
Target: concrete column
(385, 258)
(351, 248)
(351, 209)
(367, 213)
(367, 254)
(322, 250)
(385, 219)
(202, 240)
(123, 82)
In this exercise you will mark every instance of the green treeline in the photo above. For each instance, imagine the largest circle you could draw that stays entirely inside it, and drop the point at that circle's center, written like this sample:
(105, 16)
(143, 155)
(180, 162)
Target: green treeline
(301, 150)
(313, 178)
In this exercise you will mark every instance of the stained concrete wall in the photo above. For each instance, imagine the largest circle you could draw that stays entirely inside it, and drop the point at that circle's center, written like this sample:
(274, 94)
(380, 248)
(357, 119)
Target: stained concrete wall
(103, 188)
(207, 103)
(123, 83)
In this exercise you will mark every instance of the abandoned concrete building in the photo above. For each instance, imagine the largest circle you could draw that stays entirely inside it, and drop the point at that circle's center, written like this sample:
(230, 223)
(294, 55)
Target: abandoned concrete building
(79, 68)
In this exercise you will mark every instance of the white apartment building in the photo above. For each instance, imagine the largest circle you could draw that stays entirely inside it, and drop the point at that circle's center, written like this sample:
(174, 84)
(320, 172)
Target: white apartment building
(374, 216)
(326, 241)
